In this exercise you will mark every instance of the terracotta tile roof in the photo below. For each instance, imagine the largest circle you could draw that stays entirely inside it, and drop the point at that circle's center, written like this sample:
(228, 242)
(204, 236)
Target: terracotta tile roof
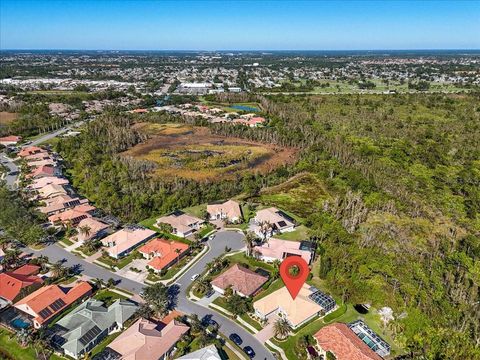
(12, 282)
(339, 339)
(30, 150)
(95, 226)
(44, 297)
(241, 279)
(74, 215)
(163, 252)
(42, 182)
(44, 170)
(146, 340)
(11, 138)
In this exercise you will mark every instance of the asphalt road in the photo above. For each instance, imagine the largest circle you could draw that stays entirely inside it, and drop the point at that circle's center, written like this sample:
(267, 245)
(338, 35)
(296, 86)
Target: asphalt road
(232, 239)
(8, 163)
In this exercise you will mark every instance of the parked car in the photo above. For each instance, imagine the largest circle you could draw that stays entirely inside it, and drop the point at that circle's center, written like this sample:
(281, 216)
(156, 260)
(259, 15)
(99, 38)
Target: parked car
(209, 293)
(211, 237)
(194, 277)
(249, 351)
(236, 339)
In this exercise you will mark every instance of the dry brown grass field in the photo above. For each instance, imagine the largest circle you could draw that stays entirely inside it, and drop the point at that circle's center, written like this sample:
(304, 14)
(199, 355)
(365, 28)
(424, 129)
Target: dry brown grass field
(7, 117)
(184, 151)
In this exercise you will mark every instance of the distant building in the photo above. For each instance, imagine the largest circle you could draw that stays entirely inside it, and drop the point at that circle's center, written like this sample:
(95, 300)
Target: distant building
(59, 204)
(123, 241)
(31, 150)
(89, 323)
(243, 281)
(10, 140)
(342, 342)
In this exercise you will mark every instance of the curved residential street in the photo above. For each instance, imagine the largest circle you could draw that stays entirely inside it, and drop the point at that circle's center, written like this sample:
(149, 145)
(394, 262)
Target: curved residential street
(232, 239)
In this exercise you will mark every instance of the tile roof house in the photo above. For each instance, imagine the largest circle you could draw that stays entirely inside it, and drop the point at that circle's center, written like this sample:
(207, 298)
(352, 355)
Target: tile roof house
(10, 140)
(183, 224)
(148, 341)
(163, 253)
(72, 216)
(60, 203)
(243, 281)
(125, 240)
(276, 249)
(278, 222)
(96, 229)
(89, 323)
(48, 301)
(209, 352)
(20, 282)
(255, 121)
(297, 312)
(30, 150)
(44, 171)
(51, 190)
(340, 340)
(42, 182)
(229, 210)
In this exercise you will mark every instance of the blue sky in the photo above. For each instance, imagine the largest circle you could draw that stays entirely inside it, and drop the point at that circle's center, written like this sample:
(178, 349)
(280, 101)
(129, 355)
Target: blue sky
(239, 25)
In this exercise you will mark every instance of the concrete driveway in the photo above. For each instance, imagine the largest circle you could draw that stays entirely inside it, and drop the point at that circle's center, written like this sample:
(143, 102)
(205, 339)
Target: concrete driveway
(140, 264)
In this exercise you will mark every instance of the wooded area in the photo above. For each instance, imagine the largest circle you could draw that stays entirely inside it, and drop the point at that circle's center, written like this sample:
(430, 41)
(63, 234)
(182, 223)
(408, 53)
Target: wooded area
(402, 226)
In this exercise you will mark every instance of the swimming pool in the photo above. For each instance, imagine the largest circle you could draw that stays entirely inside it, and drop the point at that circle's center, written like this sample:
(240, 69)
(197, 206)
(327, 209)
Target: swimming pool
(19, 323)
(245, 108)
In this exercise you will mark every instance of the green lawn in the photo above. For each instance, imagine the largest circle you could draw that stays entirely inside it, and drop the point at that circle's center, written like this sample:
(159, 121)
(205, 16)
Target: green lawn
(299, 234)
(252, 263)
(120, 263)
(10, 348)
(108, 296)
(67, 241)
(274, 286)
(250, 321)
(205, 230)
(197, 210)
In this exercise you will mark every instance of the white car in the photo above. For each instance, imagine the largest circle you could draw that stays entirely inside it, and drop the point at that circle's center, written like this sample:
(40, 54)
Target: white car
(194, 277)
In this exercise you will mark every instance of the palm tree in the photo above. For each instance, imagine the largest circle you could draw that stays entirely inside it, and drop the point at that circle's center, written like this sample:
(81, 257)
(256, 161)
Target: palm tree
(250, 240)
(85, 231)
(265, 229)
(276, 269)
(58, 270)
(281, 328)
(178, 252)
(203, 286)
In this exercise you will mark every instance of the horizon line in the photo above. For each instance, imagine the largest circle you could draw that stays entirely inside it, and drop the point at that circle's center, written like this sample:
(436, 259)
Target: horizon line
(251, 50)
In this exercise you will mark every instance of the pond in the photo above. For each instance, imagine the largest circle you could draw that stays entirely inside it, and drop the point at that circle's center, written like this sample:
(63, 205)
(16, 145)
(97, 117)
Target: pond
(245, 108)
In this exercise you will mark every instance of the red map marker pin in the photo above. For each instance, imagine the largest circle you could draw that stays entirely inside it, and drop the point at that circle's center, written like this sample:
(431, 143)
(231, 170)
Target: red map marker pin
(294, 271)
